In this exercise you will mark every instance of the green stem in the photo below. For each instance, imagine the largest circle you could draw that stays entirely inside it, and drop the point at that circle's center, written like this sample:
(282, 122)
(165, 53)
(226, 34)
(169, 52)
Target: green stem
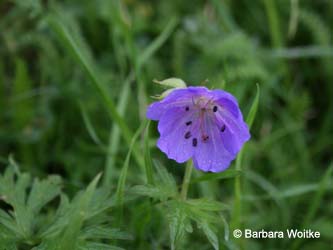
(186, 180)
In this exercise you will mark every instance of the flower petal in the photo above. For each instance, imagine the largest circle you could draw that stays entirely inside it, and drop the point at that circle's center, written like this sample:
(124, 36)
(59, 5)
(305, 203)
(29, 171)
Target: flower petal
(175, 136)
(211, 155)
(178, 97)
(236, 131)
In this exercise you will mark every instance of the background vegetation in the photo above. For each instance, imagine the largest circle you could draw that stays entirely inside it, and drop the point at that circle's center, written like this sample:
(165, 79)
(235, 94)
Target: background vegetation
(75, 80)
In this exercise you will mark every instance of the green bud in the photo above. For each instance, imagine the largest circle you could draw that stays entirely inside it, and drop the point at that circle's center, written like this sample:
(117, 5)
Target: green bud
(172, 82)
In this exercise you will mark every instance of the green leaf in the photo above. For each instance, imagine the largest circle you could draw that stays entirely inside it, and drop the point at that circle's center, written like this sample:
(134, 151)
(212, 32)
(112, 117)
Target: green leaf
(316, 201)
(148, 160)
(114, 136)
(237, 204)
(254, 107)
(99, 246)
(43, 192)
(90, 128)
(229, 173)
(178, 223)
(315, 204)
(211, 235)
(164, 188)
(7, 222)
(123, 174)
(165, 177)
(78, 215)
(207, 204)
(23, 107)
(104, 232)
(156, 191)
(157, 43)
(57, 23)
(26, 206)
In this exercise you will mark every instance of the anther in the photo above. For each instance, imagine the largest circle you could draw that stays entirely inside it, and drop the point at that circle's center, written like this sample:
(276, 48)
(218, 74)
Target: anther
(187, 108)
(205, 138)
(188, 123)
(223, 128)
(214, 108)
(187, 134)
(194, 142)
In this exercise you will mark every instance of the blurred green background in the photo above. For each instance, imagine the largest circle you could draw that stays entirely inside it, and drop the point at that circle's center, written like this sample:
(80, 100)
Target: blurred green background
(66, 66)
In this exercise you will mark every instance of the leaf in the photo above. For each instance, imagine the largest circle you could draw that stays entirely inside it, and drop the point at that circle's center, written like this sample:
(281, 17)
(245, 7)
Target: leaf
(178, 223)
(315, 204)
(8, 223)
(62, 217)
(211, 235)
(316, 201)
(78, 215)
(237, 204)
(165, 185)
(165, 177)
(123, 174)
(43, 192)
(104, 232)
(154, 191)
(157, 43)
(254, 107)
(99, 246)
(207, 204)
(79, 53)
(90, 128)
(229, 173)
(147, 156)
(114, 136)
(23, 107)
(14, 193)
(26, 206)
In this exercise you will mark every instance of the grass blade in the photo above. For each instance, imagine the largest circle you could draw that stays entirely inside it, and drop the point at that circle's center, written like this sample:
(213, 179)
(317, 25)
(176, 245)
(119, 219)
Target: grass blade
(78, 53)
(123, 174)
(235, 223)
(114, 137)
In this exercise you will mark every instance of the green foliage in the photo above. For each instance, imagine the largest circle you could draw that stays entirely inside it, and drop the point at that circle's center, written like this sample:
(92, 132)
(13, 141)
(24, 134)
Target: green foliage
(81, 223)
(180, 213)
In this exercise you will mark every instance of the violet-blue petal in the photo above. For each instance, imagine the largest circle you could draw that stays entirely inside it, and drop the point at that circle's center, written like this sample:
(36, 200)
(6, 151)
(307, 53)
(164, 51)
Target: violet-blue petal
(211, 155)
(177, 98)
(236, 130)
(206, 125)
(172, 127)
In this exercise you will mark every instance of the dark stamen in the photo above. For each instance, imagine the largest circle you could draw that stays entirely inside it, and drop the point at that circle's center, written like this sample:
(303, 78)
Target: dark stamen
(187, 134)
(205, 138)
(215, 108)
(194, 142)
(188, 123)
(223, 128)
(187, 108)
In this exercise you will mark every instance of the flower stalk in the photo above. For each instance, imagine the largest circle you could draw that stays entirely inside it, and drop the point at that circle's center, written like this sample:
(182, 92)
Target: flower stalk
(186, 180)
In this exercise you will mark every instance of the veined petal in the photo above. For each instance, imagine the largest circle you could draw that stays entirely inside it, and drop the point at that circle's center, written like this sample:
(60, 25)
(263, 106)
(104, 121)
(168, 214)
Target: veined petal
(175, 135)
(177, 98)
(199, 123)
(212, 155)
(236, 130)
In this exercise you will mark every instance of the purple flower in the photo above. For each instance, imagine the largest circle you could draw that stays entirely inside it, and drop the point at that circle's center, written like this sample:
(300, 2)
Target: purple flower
(204, 124)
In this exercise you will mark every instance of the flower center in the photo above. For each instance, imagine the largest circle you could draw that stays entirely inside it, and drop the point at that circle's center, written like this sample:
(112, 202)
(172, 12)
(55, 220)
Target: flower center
(204, 110)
